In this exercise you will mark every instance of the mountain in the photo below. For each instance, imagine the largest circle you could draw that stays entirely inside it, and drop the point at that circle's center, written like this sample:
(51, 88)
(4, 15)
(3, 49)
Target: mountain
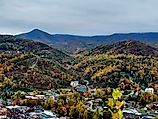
(27, 64)
(124, 47)
(37, 34)
(66, 43)
(149, 37)
(73, 43)
(127, 62)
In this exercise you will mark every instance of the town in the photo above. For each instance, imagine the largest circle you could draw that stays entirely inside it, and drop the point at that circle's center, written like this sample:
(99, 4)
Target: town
(80, 101)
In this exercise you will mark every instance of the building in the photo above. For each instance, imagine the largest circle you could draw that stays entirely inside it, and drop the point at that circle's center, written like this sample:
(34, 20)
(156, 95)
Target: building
(3, 113)
(131, 114)
(81, 88)
(149, 90)
(74, 83)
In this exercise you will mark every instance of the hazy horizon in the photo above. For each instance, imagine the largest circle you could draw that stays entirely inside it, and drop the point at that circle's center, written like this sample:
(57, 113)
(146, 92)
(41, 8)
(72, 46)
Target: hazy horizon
(76, 34)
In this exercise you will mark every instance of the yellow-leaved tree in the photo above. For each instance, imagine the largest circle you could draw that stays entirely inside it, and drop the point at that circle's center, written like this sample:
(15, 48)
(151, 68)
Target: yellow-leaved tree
(115, 104)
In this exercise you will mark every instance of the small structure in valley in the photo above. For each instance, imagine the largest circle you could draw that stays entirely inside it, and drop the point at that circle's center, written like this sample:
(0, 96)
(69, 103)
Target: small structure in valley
(81, 88)
(149, 90)
(74, 83)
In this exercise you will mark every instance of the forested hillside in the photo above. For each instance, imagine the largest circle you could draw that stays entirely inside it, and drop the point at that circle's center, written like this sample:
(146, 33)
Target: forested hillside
(123, 64)
(27, 64)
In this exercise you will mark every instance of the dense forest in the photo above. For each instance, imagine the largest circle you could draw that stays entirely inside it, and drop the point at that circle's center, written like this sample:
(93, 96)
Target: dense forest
(27, 64)
(124, 64)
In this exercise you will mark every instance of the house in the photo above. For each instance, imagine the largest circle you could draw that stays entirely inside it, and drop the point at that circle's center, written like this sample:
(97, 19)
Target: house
(81, 88)
(131, 113)
(31, 97)
(44, 115)
(13, 107)
(94, 104)
(89, 105)
(3, 113)
(74, 83)
(35, 97)
(40, 96)
(149, 90)
(155, 105)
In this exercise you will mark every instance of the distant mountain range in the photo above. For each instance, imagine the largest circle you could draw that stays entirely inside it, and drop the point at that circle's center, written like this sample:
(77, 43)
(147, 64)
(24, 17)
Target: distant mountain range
(72, 43)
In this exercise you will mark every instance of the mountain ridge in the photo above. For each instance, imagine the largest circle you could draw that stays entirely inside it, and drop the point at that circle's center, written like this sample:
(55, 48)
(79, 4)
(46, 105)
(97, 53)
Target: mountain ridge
(124, 47)
(123, 35)
(71, 43)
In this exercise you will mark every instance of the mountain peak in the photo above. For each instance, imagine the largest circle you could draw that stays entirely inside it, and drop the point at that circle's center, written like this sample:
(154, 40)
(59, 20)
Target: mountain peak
(34, 30)
(36, 34)
(38, 31)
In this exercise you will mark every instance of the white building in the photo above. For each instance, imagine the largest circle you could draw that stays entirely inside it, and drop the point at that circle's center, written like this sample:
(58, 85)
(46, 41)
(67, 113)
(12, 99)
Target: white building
(74, 83)
(149, 90)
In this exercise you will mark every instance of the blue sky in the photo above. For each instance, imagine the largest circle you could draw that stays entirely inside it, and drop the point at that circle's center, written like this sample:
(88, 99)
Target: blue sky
(82, 17)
